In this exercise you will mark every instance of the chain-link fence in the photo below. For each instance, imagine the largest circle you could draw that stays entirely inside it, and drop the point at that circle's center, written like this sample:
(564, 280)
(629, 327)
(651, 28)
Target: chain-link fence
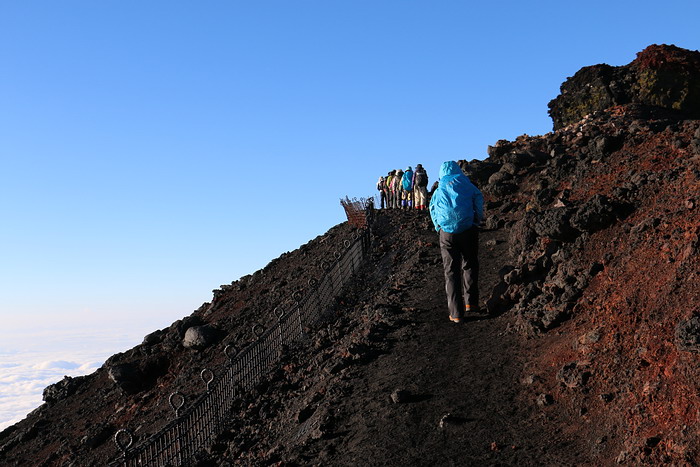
(195, 428)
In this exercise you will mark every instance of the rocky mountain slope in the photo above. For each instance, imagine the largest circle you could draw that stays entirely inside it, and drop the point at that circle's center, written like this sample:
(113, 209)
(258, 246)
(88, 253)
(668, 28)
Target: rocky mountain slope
(588, 355)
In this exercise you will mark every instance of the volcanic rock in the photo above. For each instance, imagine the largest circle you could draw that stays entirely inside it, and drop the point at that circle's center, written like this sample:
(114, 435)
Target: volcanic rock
(63, 389)
(200, 337)
(127, 376)
(688, 334)
(661, 76)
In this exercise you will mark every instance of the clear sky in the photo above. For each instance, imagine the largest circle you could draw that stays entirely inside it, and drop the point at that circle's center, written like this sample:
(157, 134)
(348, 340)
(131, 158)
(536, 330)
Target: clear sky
(153, 150)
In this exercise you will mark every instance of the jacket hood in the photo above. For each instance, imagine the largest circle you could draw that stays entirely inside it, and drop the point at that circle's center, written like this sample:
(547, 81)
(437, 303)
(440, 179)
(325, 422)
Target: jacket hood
(449, 168)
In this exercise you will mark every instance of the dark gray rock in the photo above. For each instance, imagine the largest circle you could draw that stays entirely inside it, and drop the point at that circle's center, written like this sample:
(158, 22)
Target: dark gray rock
(555, 224)
(62, 390)
(688, 334)
(573, 375)
(502, 147)
(595, 214)
(500, 176)
(522, 235)
(400, 396)
(127, 376)
(156, 337)
(97, 436)
(501, 189)
(544, 400)
(493, 223)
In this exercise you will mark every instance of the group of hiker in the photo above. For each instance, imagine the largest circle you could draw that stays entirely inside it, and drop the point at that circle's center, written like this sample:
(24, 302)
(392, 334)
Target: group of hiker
(404, 189)
(456, 209)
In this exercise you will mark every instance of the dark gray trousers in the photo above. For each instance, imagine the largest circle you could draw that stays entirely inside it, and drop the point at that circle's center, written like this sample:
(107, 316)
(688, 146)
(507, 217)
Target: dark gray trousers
(460, 259)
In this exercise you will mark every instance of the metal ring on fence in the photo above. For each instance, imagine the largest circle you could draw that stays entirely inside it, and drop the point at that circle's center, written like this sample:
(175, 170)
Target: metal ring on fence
(346, 243)
(231, 351)
(337, 255)
(174, 397)
(258, 330)
(207, 377)
(313, 282)
(123, 445)
(279, 312)
(296, 296)
(325, 265)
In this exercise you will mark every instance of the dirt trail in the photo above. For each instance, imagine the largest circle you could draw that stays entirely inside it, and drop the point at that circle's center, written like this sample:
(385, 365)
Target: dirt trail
(466, 375)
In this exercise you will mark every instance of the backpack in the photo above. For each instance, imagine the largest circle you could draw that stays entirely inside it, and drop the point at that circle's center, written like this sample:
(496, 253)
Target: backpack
(421, 178)
(407, 181)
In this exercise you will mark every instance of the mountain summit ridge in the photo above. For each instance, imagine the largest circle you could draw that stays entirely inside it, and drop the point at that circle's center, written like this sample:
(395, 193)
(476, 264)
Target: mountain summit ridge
(588, 356)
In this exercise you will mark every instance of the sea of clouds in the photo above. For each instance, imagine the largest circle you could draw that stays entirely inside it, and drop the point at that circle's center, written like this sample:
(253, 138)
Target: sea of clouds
(33, 356)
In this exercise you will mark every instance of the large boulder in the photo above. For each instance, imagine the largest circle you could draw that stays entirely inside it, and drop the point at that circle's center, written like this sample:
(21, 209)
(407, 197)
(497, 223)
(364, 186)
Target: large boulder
(200, 337)
(662, 76)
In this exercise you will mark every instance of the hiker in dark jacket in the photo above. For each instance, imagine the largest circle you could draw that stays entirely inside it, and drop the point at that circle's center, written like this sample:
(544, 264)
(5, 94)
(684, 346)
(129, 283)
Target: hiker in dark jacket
(420, 188)
(397, 188)
(456, 209)
(382, 192)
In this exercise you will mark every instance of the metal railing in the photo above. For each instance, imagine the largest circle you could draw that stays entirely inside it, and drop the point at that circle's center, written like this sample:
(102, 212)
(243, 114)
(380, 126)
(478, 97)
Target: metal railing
(178, 442)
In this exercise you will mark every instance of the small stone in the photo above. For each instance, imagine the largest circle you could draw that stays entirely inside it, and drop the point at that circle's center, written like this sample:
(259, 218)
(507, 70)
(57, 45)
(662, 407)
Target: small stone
(529, 380)
(622, 457)
(544, 400)
(608, 397)
(653, 441)
(399, 396)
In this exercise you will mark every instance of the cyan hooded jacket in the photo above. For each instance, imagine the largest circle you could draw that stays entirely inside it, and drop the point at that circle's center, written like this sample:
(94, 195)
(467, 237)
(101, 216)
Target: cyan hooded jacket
(407, 180)
(456, 204)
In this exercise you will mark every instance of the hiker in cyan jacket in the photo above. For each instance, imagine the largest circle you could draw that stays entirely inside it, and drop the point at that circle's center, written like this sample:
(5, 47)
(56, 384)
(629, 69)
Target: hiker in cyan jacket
(420, 188)
(456, 209)
(407, 186)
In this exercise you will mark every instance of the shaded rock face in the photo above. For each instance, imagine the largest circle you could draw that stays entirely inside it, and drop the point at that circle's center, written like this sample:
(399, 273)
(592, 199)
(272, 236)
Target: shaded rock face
(661, 76)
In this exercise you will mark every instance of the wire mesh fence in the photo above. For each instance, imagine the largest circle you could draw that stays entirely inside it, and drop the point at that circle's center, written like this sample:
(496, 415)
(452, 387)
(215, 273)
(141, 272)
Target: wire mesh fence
(177, 443)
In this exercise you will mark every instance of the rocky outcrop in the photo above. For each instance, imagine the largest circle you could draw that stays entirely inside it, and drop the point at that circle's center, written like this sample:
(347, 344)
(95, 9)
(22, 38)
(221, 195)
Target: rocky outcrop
(63, 389)
(662, 76)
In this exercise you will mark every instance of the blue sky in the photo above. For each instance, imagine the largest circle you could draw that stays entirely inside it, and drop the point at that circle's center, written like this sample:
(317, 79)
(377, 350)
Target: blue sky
(153, 150)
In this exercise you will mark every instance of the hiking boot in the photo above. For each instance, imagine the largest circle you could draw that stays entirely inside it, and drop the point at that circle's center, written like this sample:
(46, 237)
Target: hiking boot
(455, 320)
(472, 309)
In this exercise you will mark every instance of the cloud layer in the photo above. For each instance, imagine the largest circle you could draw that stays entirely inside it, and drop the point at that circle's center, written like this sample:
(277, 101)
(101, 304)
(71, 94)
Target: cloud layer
(32, 358)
